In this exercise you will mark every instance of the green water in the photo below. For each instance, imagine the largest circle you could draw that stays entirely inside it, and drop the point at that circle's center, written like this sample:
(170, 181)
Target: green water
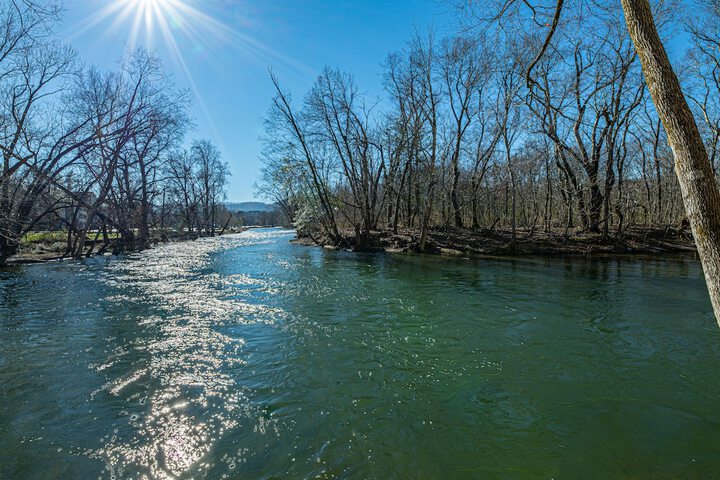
(248, 357)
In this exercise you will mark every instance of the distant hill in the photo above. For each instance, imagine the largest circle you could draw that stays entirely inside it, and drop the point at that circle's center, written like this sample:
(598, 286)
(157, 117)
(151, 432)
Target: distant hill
(249, 207)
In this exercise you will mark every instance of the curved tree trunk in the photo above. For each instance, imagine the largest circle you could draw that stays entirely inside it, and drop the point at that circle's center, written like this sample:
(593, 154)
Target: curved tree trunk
(697, 181)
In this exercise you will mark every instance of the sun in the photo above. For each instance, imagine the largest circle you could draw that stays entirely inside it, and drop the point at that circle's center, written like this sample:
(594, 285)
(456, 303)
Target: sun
(151, 15)
(151, 8)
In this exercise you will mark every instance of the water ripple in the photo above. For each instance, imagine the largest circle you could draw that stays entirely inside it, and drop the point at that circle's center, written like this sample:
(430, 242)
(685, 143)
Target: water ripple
(182, 401)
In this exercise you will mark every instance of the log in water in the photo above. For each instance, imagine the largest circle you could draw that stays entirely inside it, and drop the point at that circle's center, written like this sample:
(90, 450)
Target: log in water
(250, 357)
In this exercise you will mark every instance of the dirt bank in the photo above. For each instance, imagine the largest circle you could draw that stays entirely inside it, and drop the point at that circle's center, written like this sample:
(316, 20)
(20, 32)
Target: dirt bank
(634, 241)
(49, 248)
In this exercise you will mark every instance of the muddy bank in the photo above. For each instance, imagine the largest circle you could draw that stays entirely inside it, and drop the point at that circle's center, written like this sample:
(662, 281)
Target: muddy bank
(455, 241)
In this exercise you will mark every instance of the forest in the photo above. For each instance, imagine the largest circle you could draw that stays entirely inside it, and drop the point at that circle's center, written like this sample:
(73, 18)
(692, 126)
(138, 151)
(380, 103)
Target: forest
(478, 132)
(100, 157)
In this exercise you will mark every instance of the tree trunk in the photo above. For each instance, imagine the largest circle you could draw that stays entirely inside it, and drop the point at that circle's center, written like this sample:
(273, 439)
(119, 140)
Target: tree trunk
(144, 224)
(609, 182)
(457, 213)
(7, 248)
(695, 175)
(475, 220)
(596, 202)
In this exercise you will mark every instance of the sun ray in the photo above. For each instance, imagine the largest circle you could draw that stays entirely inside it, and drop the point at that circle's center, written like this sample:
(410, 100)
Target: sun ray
(244, 41)
(200, 31)
(109, 10)
(135, 30)
(121, 17)
(180, 18)
(172, 44)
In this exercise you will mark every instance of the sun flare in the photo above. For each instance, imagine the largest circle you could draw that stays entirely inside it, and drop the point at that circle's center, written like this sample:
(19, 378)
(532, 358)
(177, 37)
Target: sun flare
(183, 28)
(153, 20)
(152, 15)
(150, 9)
(187, 32)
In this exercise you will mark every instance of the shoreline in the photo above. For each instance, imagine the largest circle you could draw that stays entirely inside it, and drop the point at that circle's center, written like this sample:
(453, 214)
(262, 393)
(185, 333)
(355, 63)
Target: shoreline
(647, 242)
(636, 241)
(47, 254)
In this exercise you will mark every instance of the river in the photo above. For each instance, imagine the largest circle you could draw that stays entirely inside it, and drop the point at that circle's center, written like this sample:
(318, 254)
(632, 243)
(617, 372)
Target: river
(245, 356)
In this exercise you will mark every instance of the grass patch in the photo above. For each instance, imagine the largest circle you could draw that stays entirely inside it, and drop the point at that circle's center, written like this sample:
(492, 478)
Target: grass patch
(60, 236)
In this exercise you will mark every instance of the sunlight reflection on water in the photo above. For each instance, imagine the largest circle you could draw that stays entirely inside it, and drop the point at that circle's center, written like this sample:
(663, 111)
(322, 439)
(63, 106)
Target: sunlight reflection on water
(188, 359)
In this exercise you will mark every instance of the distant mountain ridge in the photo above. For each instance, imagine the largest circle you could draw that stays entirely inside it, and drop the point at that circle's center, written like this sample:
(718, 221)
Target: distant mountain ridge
(249, 207)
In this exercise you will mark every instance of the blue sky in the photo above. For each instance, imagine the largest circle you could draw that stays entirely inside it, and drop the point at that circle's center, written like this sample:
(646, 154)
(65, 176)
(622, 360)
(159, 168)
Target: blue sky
(225, 48)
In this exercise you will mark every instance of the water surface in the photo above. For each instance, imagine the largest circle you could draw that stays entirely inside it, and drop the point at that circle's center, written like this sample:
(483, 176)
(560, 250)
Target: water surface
(248, 357)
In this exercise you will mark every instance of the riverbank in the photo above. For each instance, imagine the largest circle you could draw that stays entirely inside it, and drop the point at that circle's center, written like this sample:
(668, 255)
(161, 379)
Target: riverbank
(51, 246)
(457, 241)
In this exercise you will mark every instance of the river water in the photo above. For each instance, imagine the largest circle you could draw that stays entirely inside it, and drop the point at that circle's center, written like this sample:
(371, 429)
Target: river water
(248, 357)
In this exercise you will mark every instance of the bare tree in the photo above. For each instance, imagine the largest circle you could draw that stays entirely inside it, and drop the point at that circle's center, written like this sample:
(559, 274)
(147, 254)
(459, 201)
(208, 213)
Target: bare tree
(692, 165)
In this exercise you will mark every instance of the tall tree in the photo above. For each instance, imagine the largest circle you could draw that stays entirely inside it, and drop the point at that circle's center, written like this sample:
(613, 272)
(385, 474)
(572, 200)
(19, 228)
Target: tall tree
(692, 165)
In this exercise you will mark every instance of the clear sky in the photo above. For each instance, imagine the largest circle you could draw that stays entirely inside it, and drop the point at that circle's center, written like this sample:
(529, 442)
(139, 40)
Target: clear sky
(222, 50)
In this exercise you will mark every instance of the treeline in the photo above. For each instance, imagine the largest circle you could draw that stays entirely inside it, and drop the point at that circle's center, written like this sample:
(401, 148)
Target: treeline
(265, 218)
(91, 152)
(466, 137)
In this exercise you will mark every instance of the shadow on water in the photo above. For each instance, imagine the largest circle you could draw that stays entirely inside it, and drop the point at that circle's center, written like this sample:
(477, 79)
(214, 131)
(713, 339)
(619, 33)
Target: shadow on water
(249, 357)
